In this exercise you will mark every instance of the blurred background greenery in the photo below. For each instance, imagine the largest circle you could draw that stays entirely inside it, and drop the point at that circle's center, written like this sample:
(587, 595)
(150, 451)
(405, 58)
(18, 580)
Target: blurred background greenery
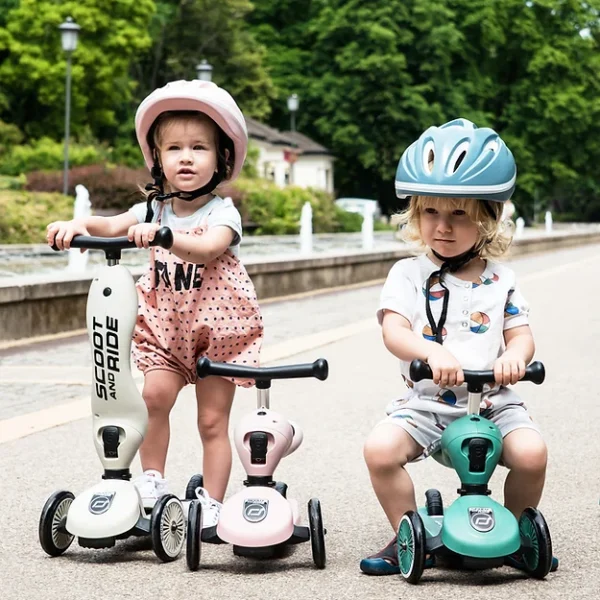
(372, 76)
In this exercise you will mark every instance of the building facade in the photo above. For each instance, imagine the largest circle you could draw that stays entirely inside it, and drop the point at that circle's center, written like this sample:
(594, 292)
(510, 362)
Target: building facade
(291, 158)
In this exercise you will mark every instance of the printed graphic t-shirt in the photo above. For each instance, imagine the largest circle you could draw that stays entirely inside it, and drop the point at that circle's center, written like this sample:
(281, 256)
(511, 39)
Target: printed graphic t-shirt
(479, 312)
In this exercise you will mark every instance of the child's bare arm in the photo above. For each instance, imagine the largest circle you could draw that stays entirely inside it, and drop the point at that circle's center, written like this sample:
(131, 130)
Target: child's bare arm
(114, 226)
(404, 343)
(191, 248)
(400, 340)
(62, 232)
(204, 249)
(520, 348)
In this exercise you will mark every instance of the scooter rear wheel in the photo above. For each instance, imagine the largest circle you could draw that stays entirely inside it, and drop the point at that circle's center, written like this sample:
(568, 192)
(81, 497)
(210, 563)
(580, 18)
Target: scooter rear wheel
(167, 528)
(281, 487)
(434, 503)
(411, 546)
(317, 533)
(536, 543)
(195, 481)
(54, 538)
(194, 536)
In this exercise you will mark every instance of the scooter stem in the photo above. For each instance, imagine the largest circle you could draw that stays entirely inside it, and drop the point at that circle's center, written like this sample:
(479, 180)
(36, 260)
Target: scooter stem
(263, 399)
(473, 403)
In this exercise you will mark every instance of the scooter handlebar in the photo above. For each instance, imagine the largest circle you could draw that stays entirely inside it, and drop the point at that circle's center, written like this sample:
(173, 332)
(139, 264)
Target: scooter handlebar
(163, 237)
(535, 373)
(318, 369)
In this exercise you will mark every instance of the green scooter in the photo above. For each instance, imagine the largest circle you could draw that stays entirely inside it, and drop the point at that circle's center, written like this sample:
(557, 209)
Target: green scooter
(475, 531)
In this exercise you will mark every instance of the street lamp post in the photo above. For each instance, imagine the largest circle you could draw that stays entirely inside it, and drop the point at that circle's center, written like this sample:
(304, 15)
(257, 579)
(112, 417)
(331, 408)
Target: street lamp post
(293, 103)
(204, 70)
(69, 31)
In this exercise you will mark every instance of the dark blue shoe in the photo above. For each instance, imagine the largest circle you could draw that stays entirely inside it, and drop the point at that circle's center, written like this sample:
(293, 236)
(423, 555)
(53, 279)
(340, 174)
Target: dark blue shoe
(385, 562)
(516, 561)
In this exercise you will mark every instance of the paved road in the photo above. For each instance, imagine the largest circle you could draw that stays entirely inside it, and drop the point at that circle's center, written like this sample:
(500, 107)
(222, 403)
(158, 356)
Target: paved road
(336, 416)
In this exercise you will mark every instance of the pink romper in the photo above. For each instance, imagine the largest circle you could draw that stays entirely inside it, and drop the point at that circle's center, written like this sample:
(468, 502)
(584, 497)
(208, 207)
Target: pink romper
(187, 311)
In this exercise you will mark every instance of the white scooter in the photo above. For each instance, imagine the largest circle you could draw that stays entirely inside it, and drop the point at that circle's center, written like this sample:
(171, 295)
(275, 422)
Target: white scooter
(113, 509)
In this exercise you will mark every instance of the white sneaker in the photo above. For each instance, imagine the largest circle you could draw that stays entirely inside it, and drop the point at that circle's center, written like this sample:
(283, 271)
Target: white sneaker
(211, 508)
(151, 486)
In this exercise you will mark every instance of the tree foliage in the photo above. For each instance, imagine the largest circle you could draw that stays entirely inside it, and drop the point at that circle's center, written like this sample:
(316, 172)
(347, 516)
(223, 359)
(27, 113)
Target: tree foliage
(371, 77)
(374, 75)
(186, 31)
(33, 65)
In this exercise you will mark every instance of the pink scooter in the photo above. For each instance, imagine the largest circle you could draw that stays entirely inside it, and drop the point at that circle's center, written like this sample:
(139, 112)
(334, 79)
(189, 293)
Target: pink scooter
(260, 520)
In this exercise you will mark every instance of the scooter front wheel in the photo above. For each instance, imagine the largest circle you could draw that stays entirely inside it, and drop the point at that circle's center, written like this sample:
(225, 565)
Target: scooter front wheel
(411, 546)
(317, 533)
(167, 528)
(536, 543)
(54, 537)
(194, 536)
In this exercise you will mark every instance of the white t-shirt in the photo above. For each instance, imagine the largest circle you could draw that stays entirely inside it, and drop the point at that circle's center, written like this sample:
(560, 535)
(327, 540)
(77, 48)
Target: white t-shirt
(215, 212)
(478, 314)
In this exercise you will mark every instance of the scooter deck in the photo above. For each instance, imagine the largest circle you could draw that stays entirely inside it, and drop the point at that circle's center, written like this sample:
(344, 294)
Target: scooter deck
(301, 534)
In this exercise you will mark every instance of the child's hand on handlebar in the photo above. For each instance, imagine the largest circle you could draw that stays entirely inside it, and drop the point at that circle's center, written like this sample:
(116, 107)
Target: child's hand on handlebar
(446, 370)
(60, 233)
(142, 234)
(509, 369)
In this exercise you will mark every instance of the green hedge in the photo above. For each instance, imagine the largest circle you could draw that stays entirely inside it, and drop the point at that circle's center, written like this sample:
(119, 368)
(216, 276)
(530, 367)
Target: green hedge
(24, 215)
(48, 154)
(270, 209)
(12, 183)
(265, 208)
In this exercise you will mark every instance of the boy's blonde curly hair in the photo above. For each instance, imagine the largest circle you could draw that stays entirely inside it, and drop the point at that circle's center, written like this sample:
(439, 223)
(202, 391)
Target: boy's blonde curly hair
(495, 234)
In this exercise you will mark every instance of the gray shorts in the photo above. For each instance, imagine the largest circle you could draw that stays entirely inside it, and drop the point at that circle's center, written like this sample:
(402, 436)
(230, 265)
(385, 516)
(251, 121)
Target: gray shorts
(426, 427)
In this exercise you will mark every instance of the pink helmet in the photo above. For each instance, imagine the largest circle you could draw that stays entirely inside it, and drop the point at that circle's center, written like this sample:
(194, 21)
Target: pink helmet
(203, 96)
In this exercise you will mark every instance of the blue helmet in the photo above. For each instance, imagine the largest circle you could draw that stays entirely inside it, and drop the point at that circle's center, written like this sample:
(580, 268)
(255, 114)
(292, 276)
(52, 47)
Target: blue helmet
(457, 159)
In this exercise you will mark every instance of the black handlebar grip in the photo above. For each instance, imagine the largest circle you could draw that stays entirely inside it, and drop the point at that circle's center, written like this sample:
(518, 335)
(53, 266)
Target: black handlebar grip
(163, 237)
(318, 369)
(419, 370)
(535, 373)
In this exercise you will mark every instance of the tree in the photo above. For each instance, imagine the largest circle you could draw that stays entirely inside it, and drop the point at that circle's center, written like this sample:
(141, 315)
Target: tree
(185, 31)
(382, 73)
(32, 69)
(284, 27)
(536, 66)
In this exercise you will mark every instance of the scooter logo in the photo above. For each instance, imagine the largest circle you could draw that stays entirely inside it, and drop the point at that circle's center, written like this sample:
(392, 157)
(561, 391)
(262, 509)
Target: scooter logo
(255, 511)
(100, 503)
(105, 342)
(482, 519)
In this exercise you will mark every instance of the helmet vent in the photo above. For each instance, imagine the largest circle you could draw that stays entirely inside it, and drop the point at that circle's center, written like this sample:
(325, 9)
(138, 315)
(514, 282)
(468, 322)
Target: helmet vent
(430, 160)
(492, 145)
(428, 157)
(459, 160)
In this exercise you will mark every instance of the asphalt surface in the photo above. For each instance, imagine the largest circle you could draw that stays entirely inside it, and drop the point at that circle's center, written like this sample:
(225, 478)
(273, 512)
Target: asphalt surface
(336, 416)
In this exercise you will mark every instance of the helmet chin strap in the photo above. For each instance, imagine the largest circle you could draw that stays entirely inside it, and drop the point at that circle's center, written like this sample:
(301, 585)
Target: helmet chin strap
(449, 264)
(454, 263)
(157, 190)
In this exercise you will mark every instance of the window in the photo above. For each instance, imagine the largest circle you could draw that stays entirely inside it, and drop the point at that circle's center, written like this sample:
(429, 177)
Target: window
(269, 171)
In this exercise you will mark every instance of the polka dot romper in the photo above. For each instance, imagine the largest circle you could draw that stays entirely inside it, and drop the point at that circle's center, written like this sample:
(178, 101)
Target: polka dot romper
(187, 311)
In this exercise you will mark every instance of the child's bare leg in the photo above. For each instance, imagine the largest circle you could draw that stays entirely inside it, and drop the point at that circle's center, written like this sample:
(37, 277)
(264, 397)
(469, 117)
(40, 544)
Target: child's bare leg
(387, 450)
(215, 397)
(524, 453)
(160, 391)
